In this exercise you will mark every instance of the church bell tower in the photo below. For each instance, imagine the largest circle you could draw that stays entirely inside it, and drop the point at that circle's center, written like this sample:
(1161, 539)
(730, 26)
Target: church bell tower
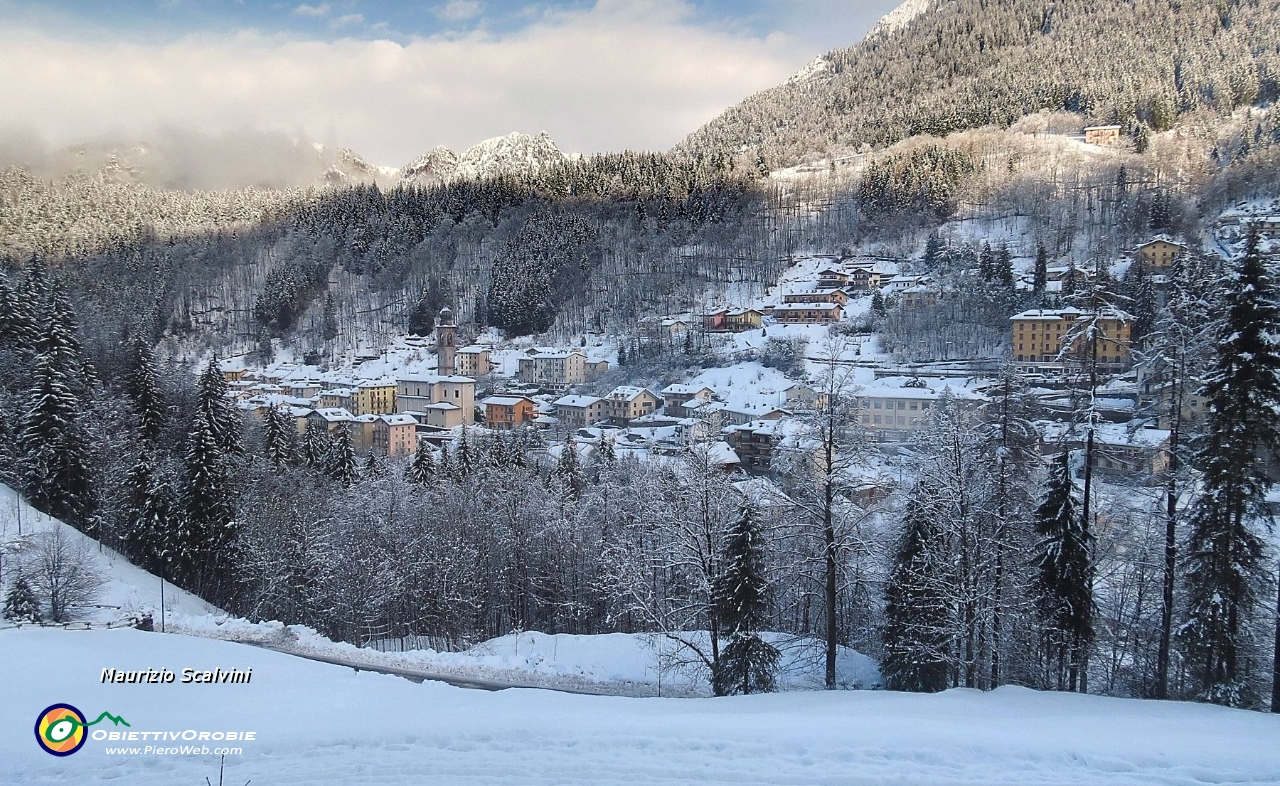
(446, 342)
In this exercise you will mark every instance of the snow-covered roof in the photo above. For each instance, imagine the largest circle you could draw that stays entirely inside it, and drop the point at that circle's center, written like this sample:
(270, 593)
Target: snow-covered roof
(382, 382)
(335, 414)
(628, 392)
(473, 349)
(578, 401)
(684, 390)
(398, 420)
(504, 401)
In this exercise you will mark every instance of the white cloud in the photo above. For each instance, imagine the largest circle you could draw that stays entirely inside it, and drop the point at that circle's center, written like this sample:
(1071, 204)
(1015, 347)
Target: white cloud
(633, 74)
(346, 21)
(311, 10)
(458, 10)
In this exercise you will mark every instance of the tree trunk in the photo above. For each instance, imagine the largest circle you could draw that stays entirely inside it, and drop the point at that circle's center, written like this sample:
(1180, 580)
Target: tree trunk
(830, 590)
(1170, 543)
(1275, 659)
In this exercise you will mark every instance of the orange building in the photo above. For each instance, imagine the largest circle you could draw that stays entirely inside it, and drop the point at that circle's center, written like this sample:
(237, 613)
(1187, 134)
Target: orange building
(507, 412)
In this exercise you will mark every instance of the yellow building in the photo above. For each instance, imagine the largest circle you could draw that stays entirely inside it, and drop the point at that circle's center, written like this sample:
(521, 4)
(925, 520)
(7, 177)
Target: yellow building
(376, 397)
(1160, 253)
(1102, 135)
(1047, 337)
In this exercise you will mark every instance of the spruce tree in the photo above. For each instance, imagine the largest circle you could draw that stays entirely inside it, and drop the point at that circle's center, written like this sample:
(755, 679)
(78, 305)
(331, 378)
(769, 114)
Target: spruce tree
(1004, 265)
(1064, 574)
(56, 451)
(444, 468)
(1224, 552)
(341, 464)
(151, 524)
(219, 411)
(917, 629)
(21, 603)
(144, 391)
(280, 438)
(748, 663)
(206, 543)
(373, 468)
(569, 469)
(987, 262)
(422, 470)
(316, 445)
(464, 458)
(1040, 276)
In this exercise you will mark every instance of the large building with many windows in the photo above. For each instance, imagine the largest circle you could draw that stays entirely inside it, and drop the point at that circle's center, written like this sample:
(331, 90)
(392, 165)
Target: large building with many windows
(1070, 337)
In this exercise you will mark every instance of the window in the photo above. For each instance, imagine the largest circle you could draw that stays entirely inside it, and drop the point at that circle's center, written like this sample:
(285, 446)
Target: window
(877, 420)
(915, 405)
(878, 407)
(902, 405)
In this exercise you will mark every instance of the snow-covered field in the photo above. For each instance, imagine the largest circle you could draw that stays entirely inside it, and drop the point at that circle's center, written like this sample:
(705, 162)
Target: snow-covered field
(318, 724)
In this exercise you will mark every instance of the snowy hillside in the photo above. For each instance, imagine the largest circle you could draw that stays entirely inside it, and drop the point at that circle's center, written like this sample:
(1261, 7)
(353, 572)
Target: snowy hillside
(127, 590)
(318, 724)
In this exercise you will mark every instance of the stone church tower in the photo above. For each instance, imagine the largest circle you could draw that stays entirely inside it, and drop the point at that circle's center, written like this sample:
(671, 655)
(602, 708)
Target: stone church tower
(446, 342)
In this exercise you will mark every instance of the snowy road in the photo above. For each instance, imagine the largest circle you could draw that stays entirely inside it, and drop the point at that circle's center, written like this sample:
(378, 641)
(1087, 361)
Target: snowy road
(325, 724)
(421, 675)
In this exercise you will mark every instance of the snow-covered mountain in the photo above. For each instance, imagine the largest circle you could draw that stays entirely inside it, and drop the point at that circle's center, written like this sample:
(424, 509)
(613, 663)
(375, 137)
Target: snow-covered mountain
(347, 167)
(515, 153)
(900, 17)
(437, 164)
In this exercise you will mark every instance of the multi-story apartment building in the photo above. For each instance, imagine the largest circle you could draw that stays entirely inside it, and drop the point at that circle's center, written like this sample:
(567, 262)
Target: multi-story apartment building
(579, 411)
(376, 397)
(1047, 338)
(556, 370)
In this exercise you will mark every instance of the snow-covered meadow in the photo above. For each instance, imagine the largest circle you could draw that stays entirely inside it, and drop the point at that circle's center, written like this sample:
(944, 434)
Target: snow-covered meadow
(319, 724)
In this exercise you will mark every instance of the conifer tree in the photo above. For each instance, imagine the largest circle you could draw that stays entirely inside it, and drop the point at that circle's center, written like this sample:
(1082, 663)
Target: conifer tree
(422, 470)
(56, 452)
(219, 411)
(1004, 265)
(279, 438)
(1064, 575)
(205, 545)
(373, 468)
(316, 445)
(341, 464)
(748, 663)
(464, 459)
(150, 527)
(21, 603)
(1224, 552)
(144, 391)
(444, 467)
(1040, 276)
(569, 469)
(917, 609)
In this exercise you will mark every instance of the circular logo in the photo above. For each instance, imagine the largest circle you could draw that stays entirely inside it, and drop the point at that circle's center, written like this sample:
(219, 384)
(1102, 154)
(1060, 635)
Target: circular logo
(60, 729)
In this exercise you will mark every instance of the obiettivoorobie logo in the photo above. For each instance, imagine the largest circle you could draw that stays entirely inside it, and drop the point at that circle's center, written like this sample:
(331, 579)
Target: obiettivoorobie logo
(60, 728)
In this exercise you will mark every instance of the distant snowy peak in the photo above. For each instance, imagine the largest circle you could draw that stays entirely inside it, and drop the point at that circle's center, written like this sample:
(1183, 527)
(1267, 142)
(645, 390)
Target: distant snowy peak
(349, 166)
(900, 17)
(515, 153)
(433, 166)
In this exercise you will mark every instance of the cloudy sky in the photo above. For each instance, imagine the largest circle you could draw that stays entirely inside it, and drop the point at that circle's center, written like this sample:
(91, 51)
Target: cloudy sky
(392, 79)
